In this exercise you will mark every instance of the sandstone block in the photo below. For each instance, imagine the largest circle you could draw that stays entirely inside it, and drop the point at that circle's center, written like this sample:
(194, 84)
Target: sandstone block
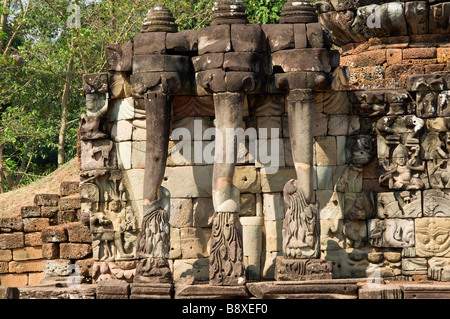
(122, 131)
(35, 224)
(13, 223)
(194, 242)
(5, 255)
(214, 39)
(119, 56)
(138, 155)
(325, 151)
(30, 211)
(203, 210)
(14, 280)
(50, 251)
(74, 251)
(46, 199)
(175, 243)
(35, 278)
(33, 239)
(27, 253)
(95, 83)
(149, 43)
(272, 183)
(273, 232)
(181, 213)
(26, 266)
(78, 233)
(54, 234)
(273, 206)
(11, 241)
(68, 188)
(252, 235)
(246, 38)
(197, 268)
(278, 37)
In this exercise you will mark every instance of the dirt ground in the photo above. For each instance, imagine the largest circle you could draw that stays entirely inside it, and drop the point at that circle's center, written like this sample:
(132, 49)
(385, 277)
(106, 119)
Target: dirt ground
(11, 202)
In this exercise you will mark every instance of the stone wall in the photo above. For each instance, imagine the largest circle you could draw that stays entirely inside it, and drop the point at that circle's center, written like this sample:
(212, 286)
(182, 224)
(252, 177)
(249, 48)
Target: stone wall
(45, 240)
(398, 89)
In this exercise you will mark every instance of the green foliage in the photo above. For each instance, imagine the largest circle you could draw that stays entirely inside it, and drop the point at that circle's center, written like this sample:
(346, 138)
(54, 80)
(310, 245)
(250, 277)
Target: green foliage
(36, 45)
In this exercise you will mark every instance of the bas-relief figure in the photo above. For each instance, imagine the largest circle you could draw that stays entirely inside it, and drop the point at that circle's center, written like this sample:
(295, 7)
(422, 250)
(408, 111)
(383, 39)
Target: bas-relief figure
(405, 204)
(402, 160)
(391, 232)
(432, 237)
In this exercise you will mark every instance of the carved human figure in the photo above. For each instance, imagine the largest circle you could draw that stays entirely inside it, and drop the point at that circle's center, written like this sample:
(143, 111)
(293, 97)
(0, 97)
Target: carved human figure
(402, 173)
(102, 236)
(118, 209)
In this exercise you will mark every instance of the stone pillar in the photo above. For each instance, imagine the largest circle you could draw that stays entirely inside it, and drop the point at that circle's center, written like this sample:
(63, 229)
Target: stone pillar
(226, 256)
(154, 239)
(301, 226)
(148, 80)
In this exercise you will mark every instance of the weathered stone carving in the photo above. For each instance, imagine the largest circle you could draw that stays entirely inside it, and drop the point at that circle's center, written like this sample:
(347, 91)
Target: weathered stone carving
(391, 232)
(439, 269)
(406, 204)
(302, 269)
(436, 203)
(432, 237)
(226, 261)
(301, 229)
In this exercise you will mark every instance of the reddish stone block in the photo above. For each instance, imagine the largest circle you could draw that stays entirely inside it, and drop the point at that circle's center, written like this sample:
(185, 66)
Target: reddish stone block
(49, 212)
(27, 253)
(46, 200)
(70, 203)
(74, 251)
(419, 53)
(35, 224)
(370, 58)
(54, 234)
(69, 188)
(4, 268)
(33, 239)
(20, 267)
(65, 217)
(394, 56)
(443, 55)
(11, 241)
(398, 70)
(30, 211)
(79, 233)
(50, 251)
(14, 223)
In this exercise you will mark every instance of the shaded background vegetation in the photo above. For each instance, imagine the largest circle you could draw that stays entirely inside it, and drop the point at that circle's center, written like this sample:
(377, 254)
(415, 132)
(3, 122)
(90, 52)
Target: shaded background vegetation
(43, 55)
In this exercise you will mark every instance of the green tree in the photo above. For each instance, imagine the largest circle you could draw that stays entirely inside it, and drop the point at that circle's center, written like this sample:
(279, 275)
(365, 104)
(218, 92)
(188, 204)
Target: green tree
(45, 48)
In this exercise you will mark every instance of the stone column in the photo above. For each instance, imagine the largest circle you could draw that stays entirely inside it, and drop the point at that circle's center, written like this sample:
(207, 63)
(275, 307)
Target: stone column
(226, 257)
(153, 242)
(154, 239)
(301, 225)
